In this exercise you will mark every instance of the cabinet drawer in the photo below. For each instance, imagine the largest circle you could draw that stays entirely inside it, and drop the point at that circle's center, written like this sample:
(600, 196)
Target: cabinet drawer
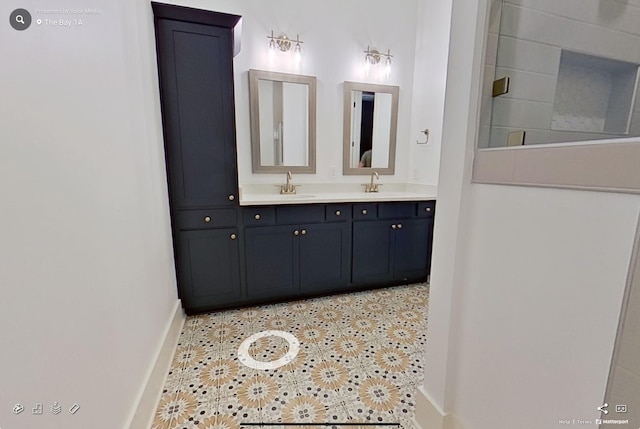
(259, 216)
(365, 211)
(337, 212)
(286, 215)
(204, 219)
(396, 210)
(426, 208)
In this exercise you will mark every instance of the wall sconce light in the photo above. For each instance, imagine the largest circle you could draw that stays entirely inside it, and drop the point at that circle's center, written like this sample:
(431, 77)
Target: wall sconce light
(283, 44)
(373, 57)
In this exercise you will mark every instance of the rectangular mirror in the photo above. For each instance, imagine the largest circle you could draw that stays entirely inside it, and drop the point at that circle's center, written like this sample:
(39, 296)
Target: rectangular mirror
(283, 122)
(370, 126)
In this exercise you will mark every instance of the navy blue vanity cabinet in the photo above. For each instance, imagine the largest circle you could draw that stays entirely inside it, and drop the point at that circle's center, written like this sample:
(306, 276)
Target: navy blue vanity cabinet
(427, 210)
(324, 257)
(207, 252)
(195, 69)
(412, 249)
(272, 262)
(296, 251)
(208, 268)
(195, 64)
(391, 243)
(372, 252)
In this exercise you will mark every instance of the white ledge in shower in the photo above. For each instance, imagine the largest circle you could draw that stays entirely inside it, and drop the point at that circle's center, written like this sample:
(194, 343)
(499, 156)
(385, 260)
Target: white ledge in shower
(310, 193)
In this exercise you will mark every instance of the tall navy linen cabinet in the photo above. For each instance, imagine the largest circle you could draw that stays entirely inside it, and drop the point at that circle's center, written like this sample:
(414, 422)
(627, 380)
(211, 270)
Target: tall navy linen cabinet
(195, 68)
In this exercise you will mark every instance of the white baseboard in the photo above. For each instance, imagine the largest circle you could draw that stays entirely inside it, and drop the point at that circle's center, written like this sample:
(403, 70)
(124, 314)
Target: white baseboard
(149, 396)
(430, 416)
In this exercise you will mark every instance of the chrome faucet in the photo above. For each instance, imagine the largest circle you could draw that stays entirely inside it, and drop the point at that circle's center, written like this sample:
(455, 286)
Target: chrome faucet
(289, 188)
(372, 187)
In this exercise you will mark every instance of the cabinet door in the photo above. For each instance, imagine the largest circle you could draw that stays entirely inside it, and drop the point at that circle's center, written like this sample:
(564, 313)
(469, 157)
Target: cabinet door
(208, 268)
(324, 257)
(272, 261)
(371, 259)
(196, 82)
(411, 249)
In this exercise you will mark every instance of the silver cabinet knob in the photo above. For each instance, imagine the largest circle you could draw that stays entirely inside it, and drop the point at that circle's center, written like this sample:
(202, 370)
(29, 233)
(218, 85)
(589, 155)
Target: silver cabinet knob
(296, 232)
(394, 226)
(304, 232)
(428, 209)
(257, 217)
(364, 211)
(233, 236)
(207, 219)
(232, 197)
(399, 226)
(338, 213)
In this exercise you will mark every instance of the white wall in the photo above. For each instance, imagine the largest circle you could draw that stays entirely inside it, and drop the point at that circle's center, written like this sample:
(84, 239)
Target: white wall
(538, 307)
(526, 284)
(335, 34)
(624, 379)
(429, 80)
(87, 266)
(532, 35)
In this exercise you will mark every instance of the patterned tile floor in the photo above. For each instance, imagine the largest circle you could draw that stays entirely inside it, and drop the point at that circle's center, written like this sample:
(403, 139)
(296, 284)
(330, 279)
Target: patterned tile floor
(360, 361)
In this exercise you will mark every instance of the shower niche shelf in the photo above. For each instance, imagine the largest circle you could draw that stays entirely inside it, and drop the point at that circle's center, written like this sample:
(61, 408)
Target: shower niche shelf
(594, 94)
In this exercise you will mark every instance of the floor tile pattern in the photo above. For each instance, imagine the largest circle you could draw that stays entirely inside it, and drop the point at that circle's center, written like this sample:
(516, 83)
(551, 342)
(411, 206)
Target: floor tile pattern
(361, 359)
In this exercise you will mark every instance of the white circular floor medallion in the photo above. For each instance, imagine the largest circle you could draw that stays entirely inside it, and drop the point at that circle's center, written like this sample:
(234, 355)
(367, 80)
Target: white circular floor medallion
(247, 360)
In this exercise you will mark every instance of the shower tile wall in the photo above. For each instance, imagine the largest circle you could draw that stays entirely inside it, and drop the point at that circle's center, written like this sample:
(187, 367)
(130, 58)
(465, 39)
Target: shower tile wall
(491, 53)
(532, 34)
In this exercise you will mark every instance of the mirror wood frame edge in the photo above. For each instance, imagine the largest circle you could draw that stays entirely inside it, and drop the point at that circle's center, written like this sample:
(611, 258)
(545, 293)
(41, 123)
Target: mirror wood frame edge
(254, 77)
(346, 128)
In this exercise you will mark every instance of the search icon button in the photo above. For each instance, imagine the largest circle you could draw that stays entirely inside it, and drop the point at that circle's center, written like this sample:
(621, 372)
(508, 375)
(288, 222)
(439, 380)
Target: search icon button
(20, 19)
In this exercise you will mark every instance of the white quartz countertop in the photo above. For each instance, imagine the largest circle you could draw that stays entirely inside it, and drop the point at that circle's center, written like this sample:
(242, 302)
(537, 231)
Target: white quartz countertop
(254, 195)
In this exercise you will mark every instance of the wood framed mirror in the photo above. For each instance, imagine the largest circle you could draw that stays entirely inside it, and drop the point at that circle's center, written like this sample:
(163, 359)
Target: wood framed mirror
(370, 127)
(283, 122)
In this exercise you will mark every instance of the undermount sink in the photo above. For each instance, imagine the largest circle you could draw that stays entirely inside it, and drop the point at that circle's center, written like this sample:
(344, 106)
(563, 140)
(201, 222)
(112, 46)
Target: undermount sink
(395, 194)
(383, 193)
(297, 196)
